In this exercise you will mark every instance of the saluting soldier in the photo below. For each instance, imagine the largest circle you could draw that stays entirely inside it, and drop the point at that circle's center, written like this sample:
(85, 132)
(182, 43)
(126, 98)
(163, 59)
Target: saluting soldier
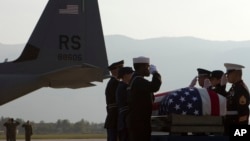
(141, 98)
(216, 84)
(13, 125)
(237, 97)
(112, 110)
(7, 125)
(28, 130)
(203, 76)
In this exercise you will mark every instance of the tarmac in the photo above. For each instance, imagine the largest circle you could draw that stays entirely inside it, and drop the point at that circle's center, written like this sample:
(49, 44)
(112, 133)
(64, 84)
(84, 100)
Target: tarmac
(63, 140)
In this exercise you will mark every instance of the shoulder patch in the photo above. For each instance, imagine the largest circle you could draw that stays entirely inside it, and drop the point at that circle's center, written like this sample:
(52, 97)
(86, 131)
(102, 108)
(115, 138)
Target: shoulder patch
(243, 118)
(242, 100)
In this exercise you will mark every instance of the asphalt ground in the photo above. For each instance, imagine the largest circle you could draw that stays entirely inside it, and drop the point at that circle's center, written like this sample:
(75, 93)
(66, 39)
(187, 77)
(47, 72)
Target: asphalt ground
(63, 140)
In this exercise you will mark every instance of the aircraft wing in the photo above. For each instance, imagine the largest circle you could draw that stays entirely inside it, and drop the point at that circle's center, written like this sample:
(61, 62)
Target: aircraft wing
(74, 77)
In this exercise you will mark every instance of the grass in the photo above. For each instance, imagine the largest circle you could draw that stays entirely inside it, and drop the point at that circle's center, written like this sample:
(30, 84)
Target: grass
(63, 136)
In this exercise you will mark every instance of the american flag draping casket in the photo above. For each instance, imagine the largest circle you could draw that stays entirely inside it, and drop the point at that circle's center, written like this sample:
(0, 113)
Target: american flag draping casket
(189, 101)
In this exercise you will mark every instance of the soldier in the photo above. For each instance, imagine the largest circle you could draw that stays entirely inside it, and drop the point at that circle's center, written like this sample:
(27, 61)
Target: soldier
(28, 130)
(141, 98)
(7, 131)
(125, 74)
(215, 80)
(237, 97)
(203, 77)
(13, 125)
(110, 93)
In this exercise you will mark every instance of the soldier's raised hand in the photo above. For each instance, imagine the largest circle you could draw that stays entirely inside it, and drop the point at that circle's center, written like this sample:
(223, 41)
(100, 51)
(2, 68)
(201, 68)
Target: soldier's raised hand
(152, 69)
(223, 80)
(193, 82)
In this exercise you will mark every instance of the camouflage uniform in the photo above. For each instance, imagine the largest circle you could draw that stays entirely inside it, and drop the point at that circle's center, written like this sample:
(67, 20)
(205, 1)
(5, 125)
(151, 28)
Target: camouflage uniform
(28, 131)
(7, 131)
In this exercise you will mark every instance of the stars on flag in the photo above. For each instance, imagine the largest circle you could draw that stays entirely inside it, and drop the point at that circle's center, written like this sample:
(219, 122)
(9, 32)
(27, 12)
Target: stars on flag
(185, 101)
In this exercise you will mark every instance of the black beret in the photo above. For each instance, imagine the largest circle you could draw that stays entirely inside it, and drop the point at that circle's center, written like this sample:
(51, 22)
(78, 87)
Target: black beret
(124, 70)
(203, 72)
(115, 65)
(217, 74)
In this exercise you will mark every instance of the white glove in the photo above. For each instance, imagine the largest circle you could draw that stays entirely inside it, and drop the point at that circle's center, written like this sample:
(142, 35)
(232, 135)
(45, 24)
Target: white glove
(193, 82)
(223, 80)
(152, 69)
(207, 83)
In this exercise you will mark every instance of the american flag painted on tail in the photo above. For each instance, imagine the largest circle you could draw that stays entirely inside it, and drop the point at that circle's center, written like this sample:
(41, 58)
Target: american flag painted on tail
(189, 101)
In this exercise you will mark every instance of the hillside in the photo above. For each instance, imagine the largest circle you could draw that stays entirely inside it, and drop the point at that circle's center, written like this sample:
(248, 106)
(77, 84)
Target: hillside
(176, 59)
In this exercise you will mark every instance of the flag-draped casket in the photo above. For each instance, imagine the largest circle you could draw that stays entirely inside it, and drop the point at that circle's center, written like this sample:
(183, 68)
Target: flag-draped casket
(190, 101)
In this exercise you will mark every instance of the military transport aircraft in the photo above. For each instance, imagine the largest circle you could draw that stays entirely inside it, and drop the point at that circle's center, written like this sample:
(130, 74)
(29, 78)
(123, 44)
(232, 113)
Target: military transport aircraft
(65, 50)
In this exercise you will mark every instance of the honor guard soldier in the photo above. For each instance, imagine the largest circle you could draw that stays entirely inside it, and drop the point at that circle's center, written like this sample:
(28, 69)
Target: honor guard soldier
(125, 74)
(141, 98)
(110, 93)
(215, 80)
(203, 75)
(237, 97)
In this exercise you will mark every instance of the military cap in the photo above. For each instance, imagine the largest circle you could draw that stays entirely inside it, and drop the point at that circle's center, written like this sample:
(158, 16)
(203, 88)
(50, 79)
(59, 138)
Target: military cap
(124, 70)
(232, 67)
(217, 74)
(203, 72)
(141, 59)
(116, 64)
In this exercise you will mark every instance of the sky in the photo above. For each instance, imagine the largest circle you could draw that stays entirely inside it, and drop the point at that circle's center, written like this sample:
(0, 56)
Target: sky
(140, 19)
(219, 20)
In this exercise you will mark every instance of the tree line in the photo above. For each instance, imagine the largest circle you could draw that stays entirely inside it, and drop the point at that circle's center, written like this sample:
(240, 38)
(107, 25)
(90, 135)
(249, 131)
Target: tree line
(59, 127)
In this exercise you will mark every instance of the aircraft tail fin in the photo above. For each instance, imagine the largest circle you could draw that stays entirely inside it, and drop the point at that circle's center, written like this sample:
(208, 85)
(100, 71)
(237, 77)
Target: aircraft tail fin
(69, 32)
(65, 50)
